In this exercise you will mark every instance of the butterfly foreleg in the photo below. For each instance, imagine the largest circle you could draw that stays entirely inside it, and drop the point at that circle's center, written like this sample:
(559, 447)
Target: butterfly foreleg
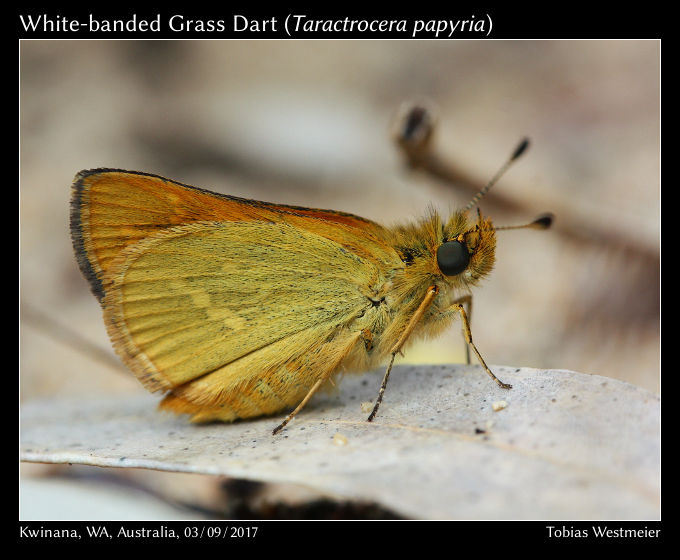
(458, 306)
(466, 300)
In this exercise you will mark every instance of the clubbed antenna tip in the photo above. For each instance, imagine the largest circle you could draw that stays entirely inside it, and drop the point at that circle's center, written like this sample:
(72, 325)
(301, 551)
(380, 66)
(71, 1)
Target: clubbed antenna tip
(544, 221)
(521, 148)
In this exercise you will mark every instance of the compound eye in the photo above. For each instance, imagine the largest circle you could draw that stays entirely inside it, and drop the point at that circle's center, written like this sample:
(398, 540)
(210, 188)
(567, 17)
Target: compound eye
(453, 258)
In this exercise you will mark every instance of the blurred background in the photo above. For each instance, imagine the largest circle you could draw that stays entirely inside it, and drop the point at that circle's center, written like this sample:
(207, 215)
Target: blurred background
(309, 123)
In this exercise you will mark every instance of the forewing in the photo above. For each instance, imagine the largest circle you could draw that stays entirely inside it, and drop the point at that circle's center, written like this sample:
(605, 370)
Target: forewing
(114, 209)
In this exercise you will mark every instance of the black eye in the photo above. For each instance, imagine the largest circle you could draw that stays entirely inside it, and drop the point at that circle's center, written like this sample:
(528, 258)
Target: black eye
(452, 258)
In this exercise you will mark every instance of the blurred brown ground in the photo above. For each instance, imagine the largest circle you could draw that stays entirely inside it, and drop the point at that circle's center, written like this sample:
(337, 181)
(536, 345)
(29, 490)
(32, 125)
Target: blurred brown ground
(307, 123)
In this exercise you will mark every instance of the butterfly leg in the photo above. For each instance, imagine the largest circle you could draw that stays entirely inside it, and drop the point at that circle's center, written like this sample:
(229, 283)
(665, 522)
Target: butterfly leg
(458, 306)
(466, 300)
(427, 301)
(299, 407)
(326, 365)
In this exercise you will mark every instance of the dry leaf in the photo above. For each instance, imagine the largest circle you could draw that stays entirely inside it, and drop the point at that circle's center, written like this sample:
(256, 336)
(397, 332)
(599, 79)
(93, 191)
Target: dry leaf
(568, 446)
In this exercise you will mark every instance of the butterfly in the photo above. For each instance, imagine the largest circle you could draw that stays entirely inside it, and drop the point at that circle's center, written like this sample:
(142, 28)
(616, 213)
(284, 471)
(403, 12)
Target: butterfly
(237, 308)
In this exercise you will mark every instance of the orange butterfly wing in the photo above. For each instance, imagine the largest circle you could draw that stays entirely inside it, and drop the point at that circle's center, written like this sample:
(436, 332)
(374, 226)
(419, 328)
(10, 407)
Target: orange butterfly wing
(250, 339)
(112, 209)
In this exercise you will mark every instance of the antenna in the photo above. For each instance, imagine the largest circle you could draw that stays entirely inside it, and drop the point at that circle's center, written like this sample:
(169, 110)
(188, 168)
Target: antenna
(544, 221)
(519, 150)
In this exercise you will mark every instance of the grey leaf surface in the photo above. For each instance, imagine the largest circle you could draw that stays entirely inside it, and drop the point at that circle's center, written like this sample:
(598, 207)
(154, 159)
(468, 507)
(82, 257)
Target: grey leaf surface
(564, 445)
